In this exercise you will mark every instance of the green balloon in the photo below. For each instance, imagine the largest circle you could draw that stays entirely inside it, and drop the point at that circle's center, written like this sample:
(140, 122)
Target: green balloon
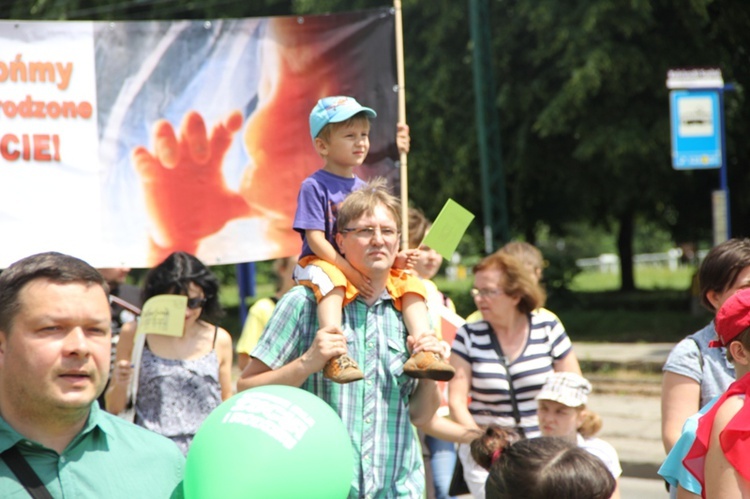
(270, 442)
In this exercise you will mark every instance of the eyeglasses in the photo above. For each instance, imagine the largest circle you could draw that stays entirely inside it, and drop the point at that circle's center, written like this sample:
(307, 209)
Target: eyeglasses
(367, 233)
(196, 302)
(485, 293)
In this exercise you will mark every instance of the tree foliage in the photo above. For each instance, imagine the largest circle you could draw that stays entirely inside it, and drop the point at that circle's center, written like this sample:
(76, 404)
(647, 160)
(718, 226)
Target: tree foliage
(580, 94)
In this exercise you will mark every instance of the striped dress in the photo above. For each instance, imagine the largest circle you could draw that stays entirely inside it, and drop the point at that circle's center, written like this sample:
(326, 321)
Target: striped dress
(489, 392)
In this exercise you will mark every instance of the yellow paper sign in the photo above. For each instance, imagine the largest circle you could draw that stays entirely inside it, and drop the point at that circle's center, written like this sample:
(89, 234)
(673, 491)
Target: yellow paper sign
(448, 229)
(163, 314)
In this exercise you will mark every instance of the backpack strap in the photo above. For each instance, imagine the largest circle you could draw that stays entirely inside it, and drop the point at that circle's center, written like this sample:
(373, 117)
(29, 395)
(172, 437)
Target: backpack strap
(25, 474)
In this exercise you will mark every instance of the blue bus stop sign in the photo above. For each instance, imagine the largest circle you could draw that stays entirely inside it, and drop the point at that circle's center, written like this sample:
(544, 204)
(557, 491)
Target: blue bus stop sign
(695, 118)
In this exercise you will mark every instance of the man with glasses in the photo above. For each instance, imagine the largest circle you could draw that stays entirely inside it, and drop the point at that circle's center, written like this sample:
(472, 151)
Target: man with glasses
(378, 410)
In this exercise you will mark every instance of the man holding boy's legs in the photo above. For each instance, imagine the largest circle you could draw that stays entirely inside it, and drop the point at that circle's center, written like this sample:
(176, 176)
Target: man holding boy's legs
(379, 410)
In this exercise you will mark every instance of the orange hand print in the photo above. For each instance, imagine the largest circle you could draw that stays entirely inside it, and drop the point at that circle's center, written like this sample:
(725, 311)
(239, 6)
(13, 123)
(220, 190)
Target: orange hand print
(186, 195)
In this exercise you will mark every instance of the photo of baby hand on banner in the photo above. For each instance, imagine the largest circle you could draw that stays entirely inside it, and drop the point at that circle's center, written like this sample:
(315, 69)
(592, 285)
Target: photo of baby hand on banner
(197, 137)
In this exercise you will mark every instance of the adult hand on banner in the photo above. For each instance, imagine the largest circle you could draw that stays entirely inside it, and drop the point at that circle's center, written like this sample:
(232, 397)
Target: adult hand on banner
(186, 195)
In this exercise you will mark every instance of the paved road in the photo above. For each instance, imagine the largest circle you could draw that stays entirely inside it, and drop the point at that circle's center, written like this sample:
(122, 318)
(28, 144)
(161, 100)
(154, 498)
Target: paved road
(632, 421)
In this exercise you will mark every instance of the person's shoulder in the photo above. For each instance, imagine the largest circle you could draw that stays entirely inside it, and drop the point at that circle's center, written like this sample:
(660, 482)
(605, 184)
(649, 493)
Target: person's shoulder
(314, 180)
(296, 293)
(430, 286)
(598, 443)
(474, 316)
(728, 410)
(297, 298)
(545, 314)
(691, 345)
(223, 337)
(703, 336)
(478, 327)
(544, 322)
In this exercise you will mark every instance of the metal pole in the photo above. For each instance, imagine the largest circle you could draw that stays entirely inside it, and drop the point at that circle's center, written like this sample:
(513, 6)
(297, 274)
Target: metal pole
(723, 177)
(494, 205)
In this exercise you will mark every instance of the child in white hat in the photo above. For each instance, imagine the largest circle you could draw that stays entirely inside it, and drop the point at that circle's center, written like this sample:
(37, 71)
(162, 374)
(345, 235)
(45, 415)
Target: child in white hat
(562, 413)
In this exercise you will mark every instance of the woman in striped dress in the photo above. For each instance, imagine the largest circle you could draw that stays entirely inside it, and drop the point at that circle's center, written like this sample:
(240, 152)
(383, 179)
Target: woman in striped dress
(503, 361)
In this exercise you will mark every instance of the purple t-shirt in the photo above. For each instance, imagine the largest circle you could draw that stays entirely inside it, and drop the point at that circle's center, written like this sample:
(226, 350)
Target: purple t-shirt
(318, 201)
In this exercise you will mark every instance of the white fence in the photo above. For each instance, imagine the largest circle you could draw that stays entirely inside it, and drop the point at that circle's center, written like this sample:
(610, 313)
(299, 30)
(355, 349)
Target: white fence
(609, 262)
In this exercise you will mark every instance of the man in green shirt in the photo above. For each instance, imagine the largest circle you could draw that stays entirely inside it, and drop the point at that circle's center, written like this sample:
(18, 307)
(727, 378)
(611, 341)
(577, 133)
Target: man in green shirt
(55, 328)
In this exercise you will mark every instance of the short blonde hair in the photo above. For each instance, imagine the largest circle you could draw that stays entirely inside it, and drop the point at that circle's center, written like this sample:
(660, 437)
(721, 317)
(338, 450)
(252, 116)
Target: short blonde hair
(526, 252)
(363, 202)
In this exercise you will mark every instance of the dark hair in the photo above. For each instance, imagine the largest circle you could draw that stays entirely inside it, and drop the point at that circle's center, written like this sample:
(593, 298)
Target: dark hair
(544, 467)
(495, 438)
(173, 276)
(56, 267)
(517, 280)
(720, 267)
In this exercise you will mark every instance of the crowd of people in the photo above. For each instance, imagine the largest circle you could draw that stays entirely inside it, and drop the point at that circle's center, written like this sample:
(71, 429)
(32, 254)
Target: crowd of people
(362, 331)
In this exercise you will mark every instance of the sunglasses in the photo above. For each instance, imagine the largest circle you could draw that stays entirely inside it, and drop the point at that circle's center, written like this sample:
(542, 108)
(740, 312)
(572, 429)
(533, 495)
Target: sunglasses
(196, 302)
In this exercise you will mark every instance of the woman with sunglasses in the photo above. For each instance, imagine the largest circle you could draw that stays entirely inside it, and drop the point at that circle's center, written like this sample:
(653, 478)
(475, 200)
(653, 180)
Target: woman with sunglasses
(503, 361)
(181, 379)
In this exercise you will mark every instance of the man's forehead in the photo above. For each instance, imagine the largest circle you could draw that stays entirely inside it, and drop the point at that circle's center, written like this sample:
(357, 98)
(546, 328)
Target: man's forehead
(379, 215)
(43, 290)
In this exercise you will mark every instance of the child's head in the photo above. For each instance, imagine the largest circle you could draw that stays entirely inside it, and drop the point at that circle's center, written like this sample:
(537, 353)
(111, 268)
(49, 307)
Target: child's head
(562, 407)
(528, 254)
(733, 329)
(332, 112)
(486, 449)
(429, 260)
(544, 467)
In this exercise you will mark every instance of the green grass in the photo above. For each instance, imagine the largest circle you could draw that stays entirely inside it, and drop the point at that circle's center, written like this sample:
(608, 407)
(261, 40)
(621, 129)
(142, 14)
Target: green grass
(645, 278)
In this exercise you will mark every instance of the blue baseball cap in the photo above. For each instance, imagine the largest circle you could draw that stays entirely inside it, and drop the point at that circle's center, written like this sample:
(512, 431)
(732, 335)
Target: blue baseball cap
(335, 110)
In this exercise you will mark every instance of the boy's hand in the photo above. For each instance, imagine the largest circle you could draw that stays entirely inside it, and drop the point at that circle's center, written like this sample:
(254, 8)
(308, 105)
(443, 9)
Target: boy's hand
(362, 283)
(406, 259)
(403, 139)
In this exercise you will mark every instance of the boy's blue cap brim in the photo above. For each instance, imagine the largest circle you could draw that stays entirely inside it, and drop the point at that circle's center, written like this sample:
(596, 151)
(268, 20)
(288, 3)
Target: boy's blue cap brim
(335, 110)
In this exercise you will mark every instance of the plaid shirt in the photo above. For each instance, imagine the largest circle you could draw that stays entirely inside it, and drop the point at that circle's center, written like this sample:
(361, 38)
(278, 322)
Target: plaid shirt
(388, 461)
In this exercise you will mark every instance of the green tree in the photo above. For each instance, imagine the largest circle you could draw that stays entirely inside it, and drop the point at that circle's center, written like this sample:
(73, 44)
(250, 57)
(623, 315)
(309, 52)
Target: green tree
(581, 97)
